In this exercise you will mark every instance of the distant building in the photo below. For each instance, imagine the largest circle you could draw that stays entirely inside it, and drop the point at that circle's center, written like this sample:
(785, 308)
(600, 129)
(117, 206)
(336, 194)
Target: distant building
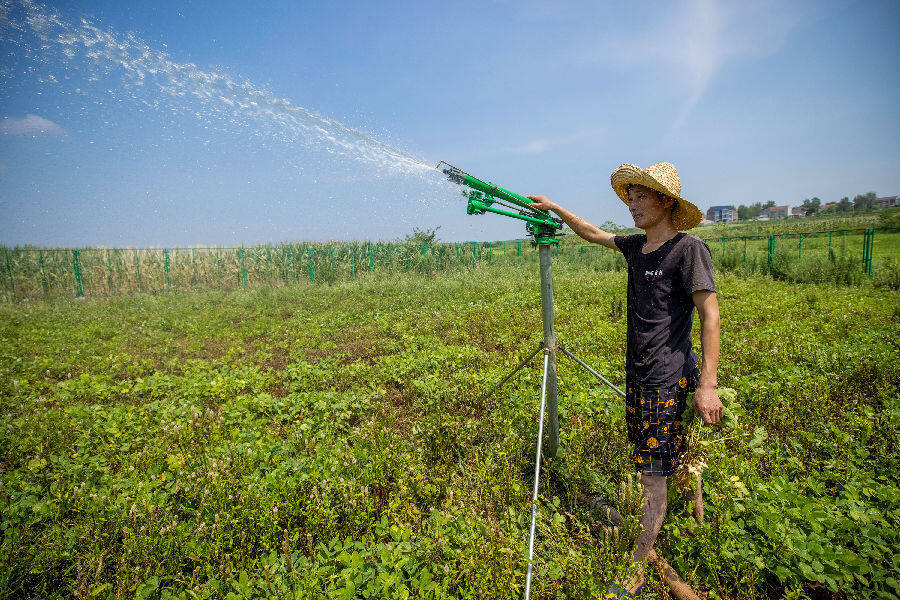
(798, 211)
(886, 202)
(721, 214)
(776, 212)
(828, 207)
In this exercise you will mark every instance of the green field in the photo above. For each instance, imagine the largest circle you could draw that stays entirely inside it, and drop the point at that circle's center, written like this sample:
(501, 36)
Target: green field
(333, 442)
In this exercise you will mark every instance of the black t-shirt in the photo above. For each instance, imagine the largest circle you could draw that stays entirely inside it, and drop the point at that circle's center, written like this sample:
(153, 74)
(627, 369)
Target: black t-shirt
(660, 308)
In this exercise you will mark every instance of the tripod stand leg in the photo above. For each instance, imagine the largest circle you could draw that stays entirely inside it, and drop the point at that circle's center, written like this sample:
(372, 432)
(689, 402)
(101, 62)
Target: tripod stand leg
(593, 372)
(537, 473)
(524, 362)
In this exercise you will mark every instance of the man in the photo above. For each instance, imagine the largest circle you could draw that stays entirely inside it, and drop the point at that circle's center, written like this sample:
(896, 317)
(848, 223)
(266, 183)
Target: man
(669, 275)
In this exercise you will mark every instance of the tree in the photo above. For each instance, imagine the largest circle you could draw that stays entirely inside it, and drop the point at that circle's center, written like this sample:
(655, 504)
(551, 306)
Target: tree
(864, 201)
(422, 236)
(811, 206)
(753, 211)
(611, 227)
(845, 205)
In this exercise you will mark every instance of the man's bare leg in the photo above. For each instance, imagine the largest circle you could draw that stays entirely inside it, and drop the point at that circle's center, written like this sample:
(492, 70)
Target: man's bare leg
(654, 511)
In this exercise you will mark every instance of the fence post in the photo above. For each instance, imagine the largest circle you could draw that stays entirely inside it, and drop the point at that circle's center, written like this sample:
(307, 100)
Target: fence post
(745, 251)
(474, 255)
(312, 264)
(166, 266)
(800, 246)
(771, 249)
(871, 249)
(79, 282)
(218, 269)
(371, 258)
(288, 271)
(137, 266)
(44, 276)
(12, 283)
(865, 249)
(243, 266)
(193, 268)
(109, 276)
(868, 247)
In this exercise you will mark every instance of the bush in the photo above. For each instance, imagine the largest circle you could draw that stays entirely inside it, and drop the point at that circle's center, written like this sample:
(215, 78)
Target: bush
(887, 274)
(889, 218)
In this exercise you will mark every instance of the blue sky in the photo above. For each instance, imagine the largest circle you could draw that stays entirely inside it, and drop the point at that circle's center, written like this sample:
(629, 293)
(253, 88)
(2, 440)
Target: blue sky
(752, 101)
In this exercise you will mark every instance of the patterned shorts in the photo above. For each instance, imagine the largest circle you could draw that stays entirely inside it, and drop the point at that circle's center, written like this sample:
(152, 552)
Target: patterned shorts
(653, 417)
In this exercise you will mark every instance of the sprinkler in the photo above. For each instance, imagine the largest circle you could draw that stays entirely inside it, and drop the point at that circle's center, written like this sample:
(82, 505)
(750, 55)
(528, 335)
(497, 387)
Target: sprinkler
(483, 195)
(543, 229)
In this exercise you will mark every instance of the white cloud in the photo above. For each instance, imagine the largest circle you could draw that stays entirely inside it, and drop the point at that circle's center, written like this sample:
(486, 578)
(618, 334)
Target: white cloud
(692, 41)
(32, 125)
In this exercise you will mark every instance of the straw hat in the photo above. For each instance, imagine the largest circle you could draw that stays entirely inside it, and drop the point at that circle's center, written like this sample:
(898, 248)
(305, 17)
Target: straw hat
(661, 177)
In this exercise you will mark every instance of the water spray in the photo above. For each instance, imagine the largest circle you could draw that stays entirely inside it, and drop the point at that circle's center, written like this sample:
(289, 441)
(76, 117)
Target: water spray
(543, 229)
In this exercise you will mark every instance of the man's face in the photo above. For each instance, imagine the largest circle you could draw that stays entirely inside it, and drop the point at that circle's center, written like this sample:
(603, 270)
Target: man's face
(646, 208)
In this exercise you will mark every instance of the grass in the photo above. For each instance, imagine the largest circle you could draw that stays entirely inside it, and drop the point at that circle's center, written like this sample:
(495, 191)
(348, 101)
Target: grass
(333, 442)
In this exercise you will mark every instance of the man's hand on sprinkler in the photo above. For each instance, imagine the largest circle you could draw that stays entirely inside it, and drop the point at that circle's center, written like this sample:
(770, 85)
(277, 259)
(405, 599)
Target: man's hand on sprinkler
(541, 202)
(582, 228)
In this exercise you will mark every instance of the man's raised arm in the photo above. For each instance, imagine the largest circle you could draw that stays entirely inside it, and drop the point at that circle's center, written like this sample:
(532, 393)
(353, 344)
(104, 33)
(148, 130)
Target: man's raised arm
(581, 227)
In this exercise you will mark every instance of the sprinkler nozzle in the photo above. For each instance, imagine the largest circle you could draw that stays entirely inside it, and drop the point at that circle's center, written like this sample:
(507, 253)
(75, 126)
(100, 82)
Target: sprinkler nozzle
(454, 174)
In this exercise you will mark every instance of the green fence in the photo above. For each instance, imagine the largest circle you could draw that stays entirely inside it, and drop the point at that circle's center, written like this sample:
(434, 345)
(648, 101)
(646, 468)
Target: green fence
(80, 272)
(855, 248)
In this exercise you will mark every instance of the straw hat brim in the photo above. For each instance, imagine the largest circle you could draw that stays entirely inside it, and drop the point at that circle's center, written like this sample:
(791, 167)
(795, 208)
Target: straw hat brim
(685, 216)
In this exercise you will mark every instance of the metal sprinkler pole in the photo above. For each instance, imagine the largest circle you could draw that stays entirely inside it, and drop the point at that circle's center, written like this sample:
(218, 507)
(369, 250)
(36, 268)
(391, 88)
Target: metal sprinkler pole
(550, 345)
(484, 196)
(537, 474)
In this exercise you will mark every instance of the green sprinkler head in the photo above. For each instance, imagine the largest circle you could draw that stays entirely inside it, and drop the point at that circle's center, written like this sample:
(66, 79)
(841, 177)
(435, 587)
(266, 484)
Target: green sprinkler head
(482, 195)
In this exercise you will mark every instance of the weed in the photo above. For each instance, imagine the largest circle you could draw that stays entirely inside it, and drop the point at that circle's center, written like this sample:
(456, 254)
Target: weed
(332, 441)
